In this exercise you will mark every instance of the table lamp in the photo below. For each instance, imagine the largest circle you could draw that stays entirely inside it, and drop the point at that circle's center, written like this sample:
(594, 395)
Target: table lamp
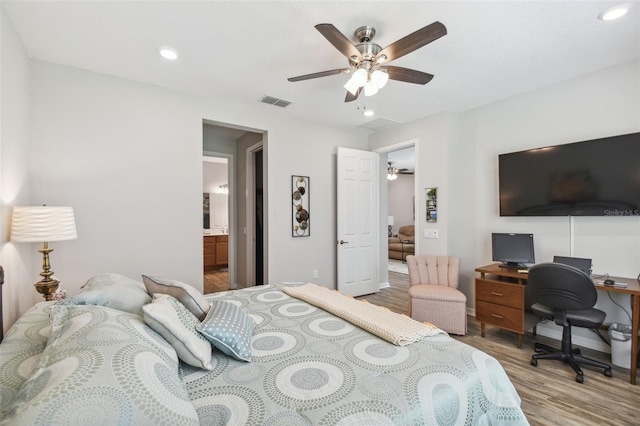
(43, 224)
(391, 223)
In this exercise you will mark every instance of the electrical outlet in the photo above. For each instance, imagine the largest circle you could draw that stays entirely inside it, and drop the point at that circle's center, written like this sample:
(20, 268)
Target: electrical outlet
(315, 273)
(431, 233)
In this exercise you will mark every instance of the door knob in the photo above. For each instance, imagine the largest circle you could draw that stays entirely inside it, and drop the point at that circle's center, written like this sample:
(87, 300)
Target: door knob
(343, 242)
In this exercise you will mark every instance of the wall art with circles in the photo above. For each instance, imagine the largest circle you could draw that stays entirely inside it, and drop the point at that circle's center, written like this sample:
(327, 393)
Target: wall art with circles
(300, 206)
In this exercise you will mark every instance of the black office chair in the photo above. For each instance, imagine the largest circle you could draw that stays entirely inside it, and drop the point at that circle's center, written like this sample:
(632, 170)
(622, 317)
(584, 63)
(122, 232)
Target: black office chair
(565, 295)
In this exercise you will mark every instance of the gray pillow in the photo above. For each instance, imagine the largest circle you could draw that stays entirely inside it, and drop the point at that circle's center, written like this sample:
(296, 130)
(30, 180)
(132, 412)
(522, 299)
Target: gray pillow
(113, 291)
(188, 295)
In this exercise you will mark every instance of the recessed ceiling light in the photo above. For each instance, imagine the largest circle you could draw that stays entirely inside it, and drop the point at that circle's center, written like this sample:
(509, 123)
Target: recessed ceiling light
(168, 53)
(614, 12)
(368, 112)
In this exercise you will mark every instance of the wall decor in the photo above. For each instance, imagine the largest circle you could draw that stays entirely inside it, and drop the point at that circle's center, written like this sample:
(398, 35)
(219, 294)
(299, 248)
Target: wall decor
(432, 204)
(300, 206)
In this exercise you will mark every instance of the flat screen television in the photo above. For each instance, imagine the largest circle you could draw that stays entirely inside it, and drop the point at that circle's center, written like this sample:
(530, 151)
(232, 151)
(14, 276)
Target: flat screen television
(599, 177)
(512, 250)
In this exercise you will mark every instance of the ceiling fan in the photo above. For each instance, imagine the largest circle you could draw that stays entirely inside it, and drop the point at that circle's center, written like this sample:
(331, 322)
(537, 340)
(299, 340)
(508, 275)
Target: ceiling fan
(392, 172)
(367, 60)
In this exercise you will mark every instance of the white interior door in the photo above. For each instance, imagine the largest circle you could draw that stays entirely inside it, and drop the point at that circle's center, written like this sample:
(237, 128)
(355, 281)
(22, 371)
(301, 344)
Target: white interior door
(357, 221)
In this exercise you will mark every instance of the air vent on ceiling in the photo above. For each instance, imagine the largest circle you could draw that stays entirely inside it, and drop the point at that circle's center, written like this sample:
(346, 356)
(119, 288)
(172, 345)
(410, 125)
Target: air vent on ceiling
(275, 101)
(379, 124)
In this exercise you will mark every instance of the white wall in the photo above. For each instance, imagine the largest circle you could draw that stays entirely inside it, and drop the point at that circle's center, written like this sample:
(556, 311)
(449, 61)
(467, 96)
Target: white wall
(128, 158)
(214, 174)
(432, 140)
(459, 154)
(401, 192)
(19, 260)
(599, 104)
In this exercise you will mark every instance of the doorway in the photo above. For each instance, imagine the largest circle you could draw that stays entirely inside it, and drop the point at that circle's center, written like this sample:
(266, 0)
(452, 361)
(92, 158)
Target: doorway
(216, 229)
(243, 148)
(401, 204)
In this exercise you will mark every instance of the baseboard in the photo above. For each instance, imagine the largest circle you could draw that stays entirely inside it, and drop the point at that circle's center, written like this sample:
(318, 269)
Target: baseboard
(385, 285)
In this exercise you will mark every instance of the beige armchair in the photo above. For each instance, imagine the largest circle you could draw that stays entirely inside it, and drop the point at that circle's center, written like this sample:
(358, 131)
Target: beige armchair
(403, 244)
(433, 292)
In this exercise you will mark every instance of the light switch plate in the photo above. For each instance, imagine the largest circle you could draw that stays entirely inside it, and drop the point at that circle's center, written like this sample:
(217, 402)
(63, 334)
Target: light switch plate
(431, 233)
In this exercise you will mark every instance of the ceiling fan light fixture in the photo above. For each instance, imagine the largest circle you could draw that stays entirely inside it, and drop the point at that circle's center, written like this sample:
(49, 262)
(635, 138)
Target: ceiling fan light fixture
(360, 77)
(380, 78)
(614, 12)
(351, 87)
(371, 88)
(368, 113)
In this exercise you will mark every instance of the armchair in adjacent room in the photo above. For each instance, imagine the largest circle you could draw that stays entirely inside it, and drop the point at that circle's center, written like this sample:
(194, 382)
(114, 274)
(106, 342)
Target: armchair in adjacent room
(402, 245)
(565, 295)
(433, 292)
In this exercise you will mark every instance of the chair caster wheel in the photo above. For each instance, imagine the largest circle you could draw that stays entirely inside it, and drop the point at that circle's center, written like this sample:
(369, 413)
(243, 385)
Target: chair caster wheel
(580, 378)
(608, 373)
(534, 362)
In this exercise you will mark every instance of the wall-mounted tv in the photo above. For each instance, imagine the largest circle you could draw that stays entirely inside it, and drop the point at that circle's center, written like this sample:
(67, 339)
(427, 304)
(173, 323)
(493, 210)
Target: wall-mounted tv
(599, 177)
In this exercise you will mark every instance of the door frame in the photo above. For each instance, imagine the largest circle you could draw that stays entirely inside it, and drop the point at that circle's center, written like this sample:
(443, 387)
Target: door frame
(250, 217)
(384, 201)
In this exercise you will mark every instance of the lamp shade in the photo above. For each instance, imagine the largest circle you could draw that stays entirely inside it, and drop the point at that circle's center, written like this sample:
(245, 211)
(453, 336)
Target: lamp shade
(38, 224)
(391, 220)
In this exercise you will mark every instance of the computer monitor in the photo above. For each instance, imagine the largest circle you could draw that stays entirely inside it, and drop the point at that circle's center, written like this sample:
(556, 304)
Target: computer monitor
(512, 250)
(577, 262)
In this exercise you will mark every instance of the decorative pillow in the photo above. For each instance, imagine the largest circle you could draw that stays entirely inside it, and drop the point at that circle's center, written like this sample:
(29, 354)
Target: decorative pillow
(173, 321)
(113, 291)
(103, 366)
(186, 294)
(229, 328)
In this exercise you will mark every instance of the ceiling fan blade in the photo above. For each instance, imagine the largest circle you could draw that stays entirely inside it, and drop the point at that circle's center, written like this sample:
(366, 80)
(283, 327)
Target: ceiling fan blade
(319, 74)
(413, 41)
(350, 97)
(408, 75)
(339, 40)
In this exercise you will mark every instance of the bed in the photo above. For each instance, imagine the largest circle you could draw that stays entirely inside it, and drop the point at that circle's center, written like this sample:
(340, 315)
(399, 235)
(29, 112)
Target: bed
(125, 352)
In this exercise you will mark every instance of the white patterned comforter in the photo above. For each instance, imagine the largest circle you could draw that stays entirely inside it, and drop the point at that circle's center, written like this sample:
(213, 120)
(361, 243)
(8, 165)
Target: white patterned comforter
(312, 368)
(308, 368)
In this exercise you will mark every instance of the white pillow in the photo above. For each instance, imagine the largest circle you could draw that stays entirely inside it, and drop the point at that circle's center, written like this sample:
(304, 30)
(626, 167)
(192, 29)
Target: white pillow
(173, 321)
(188, 295)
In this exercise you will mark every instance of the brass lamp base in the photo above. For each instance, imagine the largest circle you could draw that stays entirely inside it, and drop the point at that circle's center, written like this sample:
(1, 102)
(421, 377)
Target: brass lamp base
(47, 286)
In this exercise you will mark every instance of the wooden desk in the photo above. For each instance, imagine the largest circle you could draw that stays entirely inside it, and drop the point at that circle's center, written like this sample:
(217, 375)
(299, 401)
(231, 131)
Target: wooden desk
(500, 302)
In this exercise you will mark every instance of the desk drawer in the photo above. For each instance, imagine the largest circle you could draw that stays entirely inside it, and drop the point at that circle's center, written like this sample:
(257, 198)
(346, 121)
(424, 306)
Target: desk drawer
(502, 316)
(500, 293)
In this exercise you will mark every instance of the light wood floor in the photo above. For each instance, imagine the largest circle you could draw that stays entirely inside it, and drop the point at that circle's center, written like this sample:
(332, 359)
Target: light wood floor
(550, 395)
(215, 281)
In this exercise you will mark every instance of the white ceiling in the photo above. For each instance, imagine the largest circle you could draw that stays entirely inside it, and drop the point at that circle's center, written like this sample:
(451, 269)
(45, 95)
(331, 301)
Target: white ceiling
(245, 50)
